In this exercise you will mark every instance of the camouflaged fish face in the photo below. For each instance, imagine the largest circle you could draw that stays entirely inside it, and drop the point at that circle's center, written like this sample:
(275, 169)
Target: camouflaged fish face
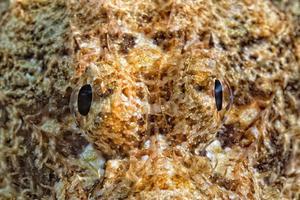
(123, 109)
(149, 99)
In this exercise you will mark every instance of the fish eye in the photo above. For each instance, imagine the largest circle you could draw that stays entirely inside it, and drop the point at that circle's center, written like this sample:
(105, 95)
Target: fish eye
(84, 100)
(218, 91)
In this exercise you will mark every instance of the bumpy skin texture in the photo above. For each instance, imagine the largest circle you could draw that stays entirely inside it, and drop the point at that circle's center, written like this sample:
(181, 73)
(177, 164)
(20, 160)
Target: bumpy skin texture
(153, 130)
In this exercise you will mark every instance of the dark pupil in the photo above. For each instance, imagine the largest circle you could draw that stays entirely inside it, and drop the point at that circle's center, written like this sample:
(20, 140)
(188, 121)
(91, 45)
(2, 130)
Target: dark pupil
(218, 94)
(84, 100)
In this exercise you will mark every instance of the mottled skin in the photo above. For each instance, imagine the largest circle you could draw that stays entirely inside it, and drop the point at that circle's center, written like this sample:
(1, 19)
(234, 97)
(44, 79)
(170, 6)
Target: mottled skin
(152, 66)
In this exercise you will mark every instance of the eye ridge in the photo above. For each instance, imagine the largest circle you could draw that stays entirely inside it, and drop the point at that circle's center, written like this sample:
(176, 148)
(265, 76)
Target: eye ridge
(84, 100)
(218, 94)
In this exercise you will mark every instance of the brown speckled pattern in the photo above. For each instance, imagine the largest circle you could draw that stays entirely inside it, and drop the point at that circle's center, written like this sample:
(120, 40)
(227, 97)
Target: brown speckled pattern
(153, 130)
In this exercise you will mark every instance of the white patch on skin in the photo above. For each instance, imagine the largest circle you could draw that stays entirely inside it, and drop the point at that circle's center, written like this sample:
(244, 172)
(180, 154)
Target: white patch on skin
(207, 100)
(210, 155)
(142, 40)
(114, 164)
(51, 126)
(248, 115)
(145, 157)
(255, 131)
(147, 144)
(59, 189)
(169, 167)
(93, 158)
(279, 126)
(227, 149)
(162, 143)
(215, 152)
(123, 62)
